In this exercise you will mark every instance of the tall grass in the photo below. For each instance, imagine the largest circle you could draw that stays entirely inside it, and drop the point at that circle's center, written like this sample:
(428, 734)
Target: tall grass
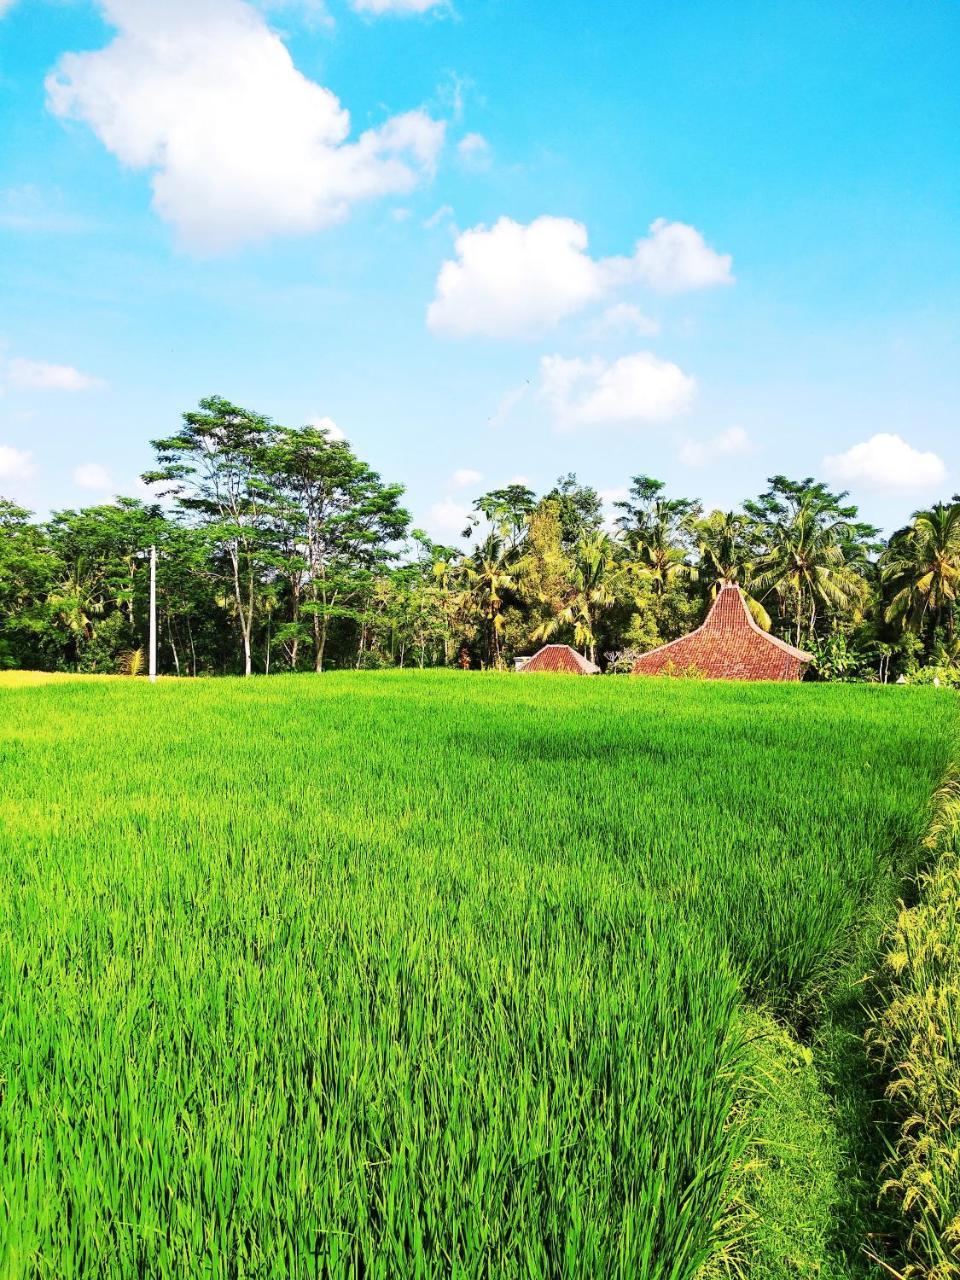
(416, 974)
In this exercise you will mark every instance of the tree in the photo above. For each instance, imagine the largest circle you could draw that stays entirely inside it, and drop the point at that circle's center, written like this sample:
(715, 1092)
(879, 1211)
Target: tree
(579, 509)
(921, 566)
(589, 592)
(507, 511)
(28, 569)
(490, 578)
(814, 552)
(213, 467)
(342, 515)
(651, 517)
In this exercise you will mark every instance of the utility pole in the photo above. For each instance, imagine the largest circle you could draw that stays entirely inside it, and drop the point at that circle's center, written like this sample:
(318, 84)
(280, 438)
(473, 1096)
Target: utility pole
(153, 614)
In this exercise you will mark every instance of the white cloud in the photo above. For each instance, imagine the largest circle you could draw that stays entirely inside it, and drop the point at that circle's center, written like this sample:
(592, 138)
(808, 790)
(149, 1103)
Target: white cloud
(241, 145)
(447, 519)
(465, 477)
(734, 442)
(887, 464)
(91, 475)
(5, 6)
(15, 464)
(624, 317)
(402, 8)
(474, 151)
(675, 258)
(328, 427)
(516, 280)
(35, 375)
(634, 389)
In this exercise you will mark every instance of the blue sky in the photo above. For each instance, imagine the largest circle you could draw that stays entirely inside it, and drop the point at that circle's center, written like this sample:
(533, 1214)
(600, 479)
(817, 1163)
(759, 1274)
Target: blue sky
(705, 241)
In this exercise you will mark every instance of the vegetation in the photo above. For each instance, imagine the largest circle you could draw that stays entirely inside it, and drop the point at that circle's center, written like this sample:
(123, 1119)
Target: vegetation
(917, 1034)
(281, 550)
(432, 974)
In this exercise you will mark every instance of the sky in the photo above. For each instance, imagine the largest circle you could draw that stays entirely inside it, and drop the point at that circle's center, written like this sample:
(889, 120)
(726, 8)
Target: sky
(486, 240)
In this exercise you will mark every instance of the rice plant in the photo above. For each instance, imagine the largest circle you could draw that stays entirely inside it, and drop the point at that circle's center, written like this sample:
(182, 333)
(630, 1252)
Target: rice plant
(417, 974)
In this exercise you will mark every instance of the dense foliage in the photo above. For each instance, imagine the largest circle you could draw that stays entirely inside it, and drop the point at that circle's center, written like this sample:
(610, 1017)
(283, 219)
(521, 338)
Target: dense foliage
(421, 974)
(280, 550)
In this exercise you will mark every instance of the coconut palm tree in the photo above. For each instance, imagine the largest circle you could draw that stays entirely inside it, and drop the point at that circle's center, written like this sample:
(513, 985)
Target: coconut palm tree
(490, 577)
(76, 600)
(805, 564)
(590, 592)
(922, 567)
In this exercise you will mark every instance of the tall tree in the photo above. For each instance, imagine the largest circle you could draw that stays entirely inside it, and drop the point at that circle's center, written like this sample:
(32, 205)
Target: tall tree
(28, 568)
(345, 518)
(814, 555)
(649, 516)
(589, 593)
(213, 466)
(921, 566)
(579, 509)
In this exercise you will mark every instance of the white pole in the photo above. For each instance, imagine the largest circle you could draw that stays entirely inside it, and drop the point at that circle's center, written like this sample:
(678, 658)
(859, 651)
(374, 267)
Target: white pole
(153, 614)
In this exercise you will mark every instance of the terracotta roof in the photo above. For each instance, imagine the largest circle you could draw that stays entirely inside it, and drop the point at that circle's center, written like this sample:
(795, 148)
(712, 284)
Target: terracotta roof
(560, 657)
(728, 646)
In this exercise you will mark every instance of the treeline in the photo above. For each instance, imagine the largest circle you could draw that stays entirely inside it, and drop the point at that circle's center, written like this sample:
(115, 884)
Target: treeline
(280, 550)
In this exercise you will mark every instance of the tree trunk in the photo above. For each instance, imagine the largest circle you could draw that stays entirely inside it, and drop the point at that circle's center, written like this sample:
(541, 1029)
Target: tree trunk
(173, 647)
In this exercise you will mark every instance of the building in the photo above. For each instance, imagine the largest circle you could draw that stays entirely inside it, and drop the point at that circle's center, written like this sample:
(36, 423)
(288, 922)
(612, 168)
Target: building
(560, 657)
(727, 646)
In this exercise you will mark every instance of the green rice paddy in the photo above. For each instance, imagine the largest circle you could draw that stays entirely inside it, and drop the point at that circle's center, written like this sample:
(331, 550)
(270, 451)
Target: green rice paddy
(421, 974)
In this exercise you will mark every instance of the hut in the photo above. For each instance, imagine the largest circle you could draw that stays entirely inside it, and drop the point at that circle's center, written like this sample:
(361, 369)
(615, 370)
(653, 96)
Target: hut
(727, 646)
(560, 657)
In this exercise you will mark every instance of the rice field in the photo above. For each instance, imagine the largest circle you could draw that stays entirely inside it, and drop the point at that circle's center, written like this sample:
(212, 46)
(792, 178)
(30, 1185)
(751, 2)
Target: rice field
(419, 974)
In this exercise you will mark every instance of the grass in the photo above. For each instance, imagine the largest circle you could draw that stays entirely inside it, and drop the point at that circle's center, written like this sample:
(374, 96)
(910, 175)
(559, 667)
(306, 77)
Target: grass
(429, 974)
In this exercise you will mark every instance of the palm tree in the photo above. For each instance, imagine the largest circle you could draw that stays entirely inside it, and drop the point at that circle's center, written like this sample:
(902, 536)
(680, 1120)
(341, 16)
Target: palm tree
(589, 594)
(805, 564)
(490, 578)
(659, 561)
(922, 566)
(76, 600)
(725, 557)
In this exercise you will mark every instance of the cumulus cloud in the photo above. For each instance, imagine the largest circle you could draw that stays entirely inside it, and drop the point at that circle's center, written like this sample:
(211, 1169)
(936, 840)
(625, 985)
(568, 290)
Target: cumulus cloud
(15, 464)
(240, 144)
(466, 477)
(6, 6)
(402, 8)
(517, 280)
(474, 151)
(639, 388)
(513, 280)
(91, 475)
(731, 443)
(887, 464)
(675, 258)
(36, 375)
(328, 427)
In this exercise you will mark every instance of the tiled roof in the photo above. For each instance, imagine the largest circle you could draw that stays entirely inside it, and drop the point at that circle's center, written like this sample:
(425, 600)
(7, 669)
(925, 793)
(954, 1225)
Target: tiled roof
(560, 657)
(727, 646)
